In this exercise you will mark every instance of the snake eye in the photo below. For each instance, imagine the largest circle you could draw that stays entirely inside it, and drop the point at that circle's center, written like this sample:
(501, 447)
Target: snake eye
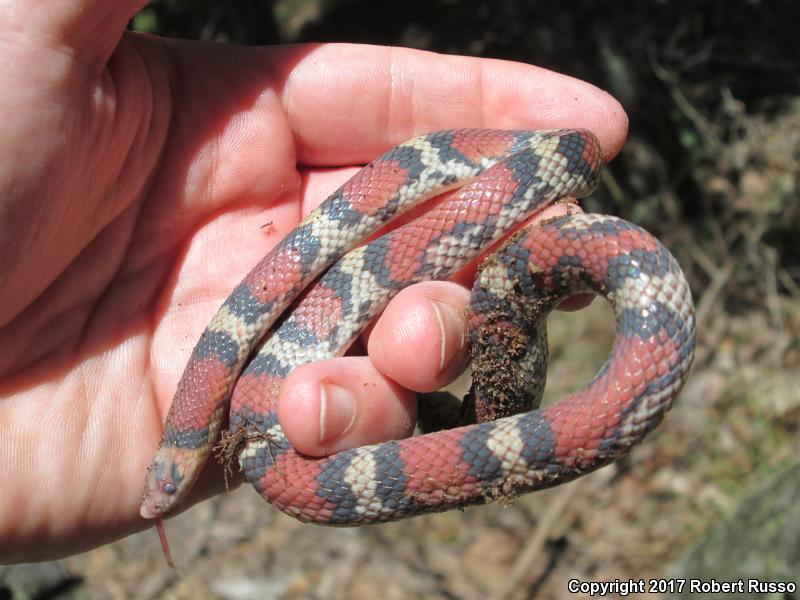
(169, 488)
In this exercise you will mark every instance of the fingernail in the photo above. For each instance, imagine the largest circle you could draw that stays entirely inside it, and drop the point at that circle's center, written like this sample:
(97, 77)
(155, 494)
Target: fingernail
(337, 412)
(444, 312)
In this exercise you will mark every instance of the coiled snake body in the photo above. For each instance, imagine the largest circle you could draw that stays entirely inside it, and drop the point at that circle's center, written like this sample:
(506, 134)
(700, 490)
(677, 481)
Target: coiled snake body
(504, 177)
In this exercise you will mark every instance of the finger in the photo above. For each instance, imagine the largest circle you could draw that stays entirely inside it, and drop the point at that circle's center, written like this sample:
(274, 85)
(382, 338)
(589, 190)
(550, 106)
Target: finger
(347, 102)
(576, 302)
(420, 340)
(342, 403)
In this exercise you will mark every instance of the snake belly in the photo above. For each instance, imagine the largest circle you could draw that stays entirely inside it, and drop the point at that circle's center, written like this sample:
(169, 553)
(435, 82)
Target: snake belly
(503, 178)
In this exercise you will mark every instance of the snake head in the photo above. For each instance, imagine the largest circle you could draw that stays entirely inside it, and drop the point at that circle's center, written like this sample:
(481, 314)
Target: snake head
(168, 480)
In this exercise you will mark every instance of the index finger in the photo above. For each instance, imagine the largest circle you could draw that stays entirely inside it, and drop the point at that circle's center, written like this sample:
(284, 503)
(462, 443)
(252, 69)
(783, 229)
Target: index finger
(347, 102)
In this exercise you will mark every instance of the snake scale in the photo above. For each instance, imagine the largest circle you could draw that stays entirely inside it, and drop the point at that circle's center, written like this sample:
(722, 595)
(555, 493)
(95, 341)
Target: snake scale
(501, 178)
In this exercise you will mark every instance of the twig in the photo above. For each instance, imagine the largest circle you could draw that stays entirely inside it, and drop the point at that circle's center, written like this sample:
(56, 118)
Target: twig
(786, 279)
(533, 549)
(701, 123)
(613, 188)
(718, 281)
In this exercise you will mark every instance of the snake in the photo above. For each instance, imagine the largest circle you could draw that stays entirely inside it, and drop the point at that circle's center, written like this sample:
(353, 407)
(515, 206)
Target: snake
(312, 295)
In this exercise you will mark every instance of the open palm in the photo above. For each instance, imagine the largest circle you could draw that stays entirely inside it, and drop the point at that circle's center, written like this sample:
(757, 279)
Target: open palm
(141, 178)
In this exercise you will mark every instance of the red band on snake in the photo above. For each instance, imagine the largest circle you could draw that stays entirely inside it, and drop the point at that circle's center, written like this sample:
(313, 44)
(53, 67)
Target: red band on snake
(503, 177)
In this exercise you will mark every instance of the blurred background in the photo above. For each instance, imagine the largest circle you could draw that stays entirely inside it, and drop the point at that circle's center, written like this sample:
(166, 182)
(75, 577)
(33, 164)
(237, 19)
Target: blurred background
(712, 89)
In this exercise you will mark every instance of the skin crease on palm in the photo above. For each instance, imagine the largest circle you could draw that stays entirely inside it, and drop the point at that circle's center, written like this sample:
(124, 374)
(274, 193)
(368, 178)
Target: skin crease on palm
(141, 179)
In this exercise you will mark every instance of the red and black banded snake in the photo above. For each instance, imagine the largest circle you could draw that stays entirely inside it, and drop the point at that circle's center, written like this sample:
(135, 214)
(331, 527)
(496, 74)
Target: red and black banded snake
(504, 177)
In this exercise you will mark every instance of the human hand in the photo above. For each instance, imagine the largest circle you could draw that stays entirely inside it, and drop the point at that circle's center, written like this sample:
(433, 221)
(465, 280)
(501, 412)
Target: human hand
(133, 165)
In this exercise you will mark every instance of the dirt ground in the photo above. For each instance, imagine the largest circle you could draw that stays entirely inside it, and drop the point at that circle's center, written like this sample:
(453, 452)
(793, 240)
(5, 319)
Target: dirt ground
(711, 167)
